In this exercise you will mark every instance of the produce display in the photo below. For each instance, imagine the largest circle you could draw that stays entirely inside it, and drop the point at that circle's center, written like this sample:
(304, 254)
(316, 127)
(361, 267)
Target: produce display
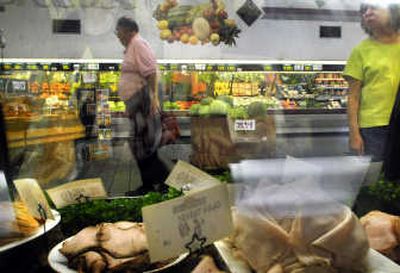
(204, 23)
(235, 108)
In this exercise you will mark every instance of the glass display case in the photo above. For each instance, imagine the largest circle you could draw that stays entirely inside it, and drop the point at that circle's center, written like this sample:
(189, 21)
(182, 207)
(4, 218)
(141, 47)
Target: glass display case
(50, 104)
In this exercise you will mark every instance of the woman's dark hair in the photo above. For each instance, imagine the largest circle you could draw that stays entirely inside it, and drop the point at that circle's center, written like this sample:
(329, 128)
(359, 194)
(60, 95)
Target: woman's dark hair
(394, 12)
(128, 24)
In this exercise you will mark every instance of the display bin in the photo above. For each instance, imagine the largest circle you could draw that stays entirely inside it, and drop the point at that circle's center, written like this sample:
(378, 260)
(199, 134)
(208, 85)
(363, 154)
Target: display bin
(212, 146)
(260, 141)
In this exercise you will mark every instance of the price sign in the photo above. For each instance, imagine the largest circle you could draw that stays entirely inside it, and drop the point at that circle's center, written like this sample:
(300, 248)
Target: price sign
(162, 67)
(46, 67)
(32, 67)
(7, 66)
(287, 67)
(317, 67)
(308, 67)
(66, 67)
(89, 77)
(268, 68)
(245, 125)
(18, 67)
(298, 67)
(189, 178)
(221, 67)
(55, 67)
(77, 192)
(231, 68)
(200, 67)
(19, 85)
(32, 195)
(209, 67)
(93, 66)
(188, 223)
(173, 66)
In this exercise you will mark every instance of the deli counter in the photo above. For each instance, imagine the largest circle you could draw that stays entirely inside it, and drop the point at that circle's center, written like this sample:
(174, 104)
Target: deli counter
(52, 101)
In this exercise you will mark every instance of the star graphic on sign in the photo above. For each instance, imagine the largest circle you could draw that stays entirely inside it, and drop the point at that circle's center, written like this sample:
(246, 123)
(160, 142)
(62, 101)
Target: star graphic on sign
(82, 198)
(197, 243)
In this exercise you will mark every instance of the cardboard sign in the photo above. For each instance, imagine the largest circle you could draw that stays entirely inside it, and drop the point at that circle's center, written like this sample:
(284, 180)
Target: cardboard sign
(33, 197)
(77, 192)
(190, 179)
(187, 223)
(245, 125)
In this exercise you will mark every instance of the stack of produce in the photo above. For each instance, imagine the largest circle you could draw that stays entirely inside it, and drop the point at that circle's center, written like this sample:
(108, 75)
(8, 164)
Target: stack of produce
(212, 107)
(203, 23)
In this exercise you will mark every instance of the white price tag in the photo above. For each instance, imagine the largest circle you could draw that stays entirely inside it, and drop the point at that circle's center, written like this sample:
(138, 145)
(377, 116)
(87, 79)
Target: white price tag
(33, 197)
(89, 77)
(77, 192)
(187, 223)
(188, 178)
(19, 85)
(245, 125)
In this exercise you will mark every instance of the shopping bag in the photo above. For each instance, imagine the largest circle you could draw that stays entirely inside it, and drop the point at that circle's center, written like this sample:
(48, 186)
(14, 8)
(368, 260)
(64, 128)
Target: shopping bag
(170, 128)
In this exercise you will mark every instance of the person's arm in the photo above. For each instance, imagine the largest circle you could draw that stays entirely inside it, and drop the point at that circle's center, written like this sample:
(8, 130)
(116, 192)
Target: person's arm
(355, 140)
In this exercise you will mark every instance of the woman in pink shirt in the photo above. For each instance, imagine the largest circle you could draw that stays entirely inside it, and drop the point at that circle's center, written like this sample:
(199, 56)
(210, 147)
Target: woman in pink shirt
(138, 89)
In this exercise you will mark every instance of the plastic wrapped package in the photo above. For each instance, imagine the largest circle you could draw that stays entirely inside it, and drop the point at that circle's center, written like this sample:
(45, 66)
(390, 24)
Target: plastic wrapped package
(295, 207)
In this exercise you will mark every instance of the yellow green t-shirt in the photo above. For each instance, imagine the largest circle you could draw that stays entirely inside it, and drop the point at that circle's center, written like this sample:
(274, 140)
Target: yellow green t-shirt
(377, 66)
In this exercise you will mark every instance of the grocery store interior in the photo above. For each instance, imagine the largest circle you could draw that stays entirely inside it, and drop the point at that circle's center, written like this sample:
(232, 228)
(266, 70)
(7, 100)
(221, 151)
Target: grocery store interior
(256, 89)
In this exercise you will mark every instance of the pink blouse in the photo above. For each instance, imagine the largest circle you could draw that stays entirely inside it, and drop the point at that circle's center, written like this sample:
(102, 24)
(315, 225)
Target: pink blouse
(138, 63)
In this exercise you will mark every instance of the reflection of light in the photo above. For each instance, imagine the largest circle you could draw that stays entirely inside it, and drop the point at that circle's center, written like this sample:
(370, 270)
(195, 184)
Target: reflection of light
(381, 3)
(313, 185)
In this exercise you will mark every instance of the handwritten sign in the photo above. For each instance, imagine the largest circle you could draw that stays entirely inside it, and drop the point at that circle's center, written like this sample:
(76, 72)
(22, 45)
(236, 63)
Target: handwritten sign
(245, 125)
(77, 192)
(188, 178)
(89, 77)
(187, 223)
(33, 197)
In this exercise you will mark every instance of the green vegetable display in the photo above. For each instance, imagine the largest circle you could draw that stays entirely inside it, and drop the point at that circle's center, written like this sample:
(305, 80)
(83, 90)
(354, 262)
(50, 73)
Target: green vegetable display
(257, 109)
(238, 113)
(219, 107)
(78, 216)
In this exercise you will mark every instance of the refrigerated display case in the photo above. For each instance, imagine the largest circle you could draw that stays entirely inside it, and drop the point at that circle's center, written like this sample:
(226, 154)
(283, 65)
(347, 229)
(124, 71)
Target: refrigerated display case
(45, 101)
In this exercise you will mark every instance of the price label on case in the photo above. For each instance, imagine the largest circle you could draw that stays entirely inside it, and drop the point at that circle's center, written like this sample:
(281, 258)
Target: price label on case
(245, 125)
(19, 85)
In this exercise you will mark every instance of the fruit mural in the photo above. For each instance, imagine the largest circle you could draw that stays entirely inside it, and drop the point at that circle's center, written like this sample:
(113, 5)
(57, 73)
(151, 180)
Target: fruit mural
(199, 24)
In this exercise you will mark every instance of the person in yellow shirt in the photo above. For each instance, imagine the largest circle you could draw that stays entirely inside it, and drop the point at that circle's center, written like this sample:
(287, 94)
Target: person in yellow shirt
(373, 73)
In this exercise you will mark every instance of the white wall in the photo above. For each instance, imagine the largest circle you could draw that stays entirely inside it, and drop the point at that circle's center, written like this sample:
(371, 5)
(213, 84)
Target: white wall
(29, 34)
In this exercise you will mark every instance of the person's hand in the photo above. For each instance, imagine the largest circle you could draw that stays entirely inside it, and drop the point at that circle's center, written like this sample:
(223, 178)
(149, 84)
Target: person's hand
(357, 143)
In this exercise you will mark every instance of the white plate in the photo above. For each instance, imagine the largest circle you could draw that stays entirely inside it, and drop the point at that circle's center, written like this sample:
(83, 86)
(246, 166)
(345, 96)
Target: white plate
(48, 225)
(375, 262)
(59, 262)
